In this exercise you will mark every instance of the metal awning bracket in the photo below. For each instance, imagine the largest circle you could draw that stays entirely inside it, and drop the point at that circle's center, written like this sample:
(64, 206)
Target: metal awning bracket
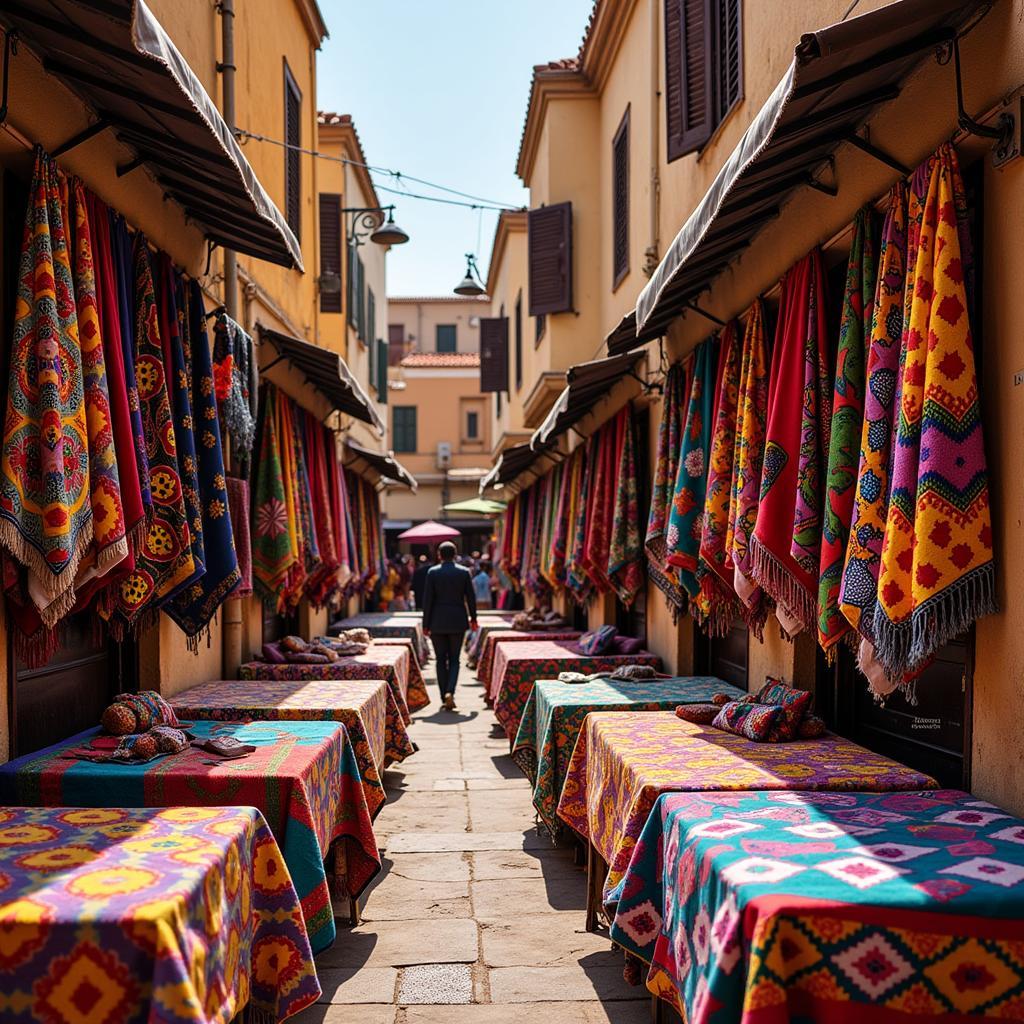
(97, 128)
(10, 50)
(694, 308)
(870, 149)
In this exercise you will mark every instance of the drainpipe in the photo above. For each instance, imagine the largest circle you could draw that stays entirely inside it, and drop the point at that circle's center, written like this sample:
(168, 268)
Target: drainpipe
(231, 631)
(654, 197)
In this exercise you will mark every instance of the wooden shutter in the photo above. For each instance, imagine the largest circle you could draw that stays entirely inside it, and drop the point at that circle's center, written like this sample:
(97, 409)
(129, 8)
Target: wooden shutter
(549, 240)
(620, 201)
(382, 371)
(729, 55)
(360, 299)
(292, 156)
(371, 317)
(689, 82)
(350, 285)
(330, 253)
(519, 341)
(494, 353)
(396, 343)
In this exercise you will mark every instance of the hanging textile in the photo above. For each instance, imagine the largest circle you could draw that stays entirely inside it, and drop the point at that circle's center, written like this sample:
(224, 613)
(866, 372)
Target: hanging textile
(238, 509)
(602, 506)
(234, 367)
(859, 591)
(625, 553)
(178, 375)
(937, 573)
(193, 609)
(717, 598)
(789, 512)
(164, 561)
(687, 513)
(291, 592)
(273, 554)
(565, 516)
(666, 466)
(577, 580)
(46, 518)
(325, 581)
(847, 418)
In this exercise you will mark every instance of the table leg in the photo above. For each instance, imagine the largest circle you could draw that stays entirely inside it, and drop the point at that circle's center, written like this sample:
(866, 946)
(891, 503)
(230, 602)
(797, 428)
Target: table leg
(597, 871)
(354, 911)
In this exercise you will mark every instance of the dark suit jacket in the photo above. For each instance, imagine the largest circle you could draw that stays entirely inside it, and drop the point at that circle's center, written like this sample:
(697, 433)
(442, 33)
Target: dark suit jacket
(449, 592)
(419, 583)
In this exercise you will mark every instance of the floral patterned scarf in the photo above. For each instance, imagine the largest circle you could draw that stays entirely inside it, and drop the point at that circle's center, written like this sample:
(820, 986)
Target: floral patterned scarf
(602, 510)
(233, 368)
(666, 466)
(576, 579)
(626, 553)
(847, 417)
(937, 572)
(46, 516)
(273, 554)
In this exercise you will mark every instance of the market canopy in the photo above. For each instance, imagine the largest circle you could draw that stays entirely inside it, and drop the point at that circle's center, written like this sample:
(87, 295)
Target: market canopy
(623, 337)
(587, 382)
(839, 76)
(385, 465)
(119, 59)
(511, 462)
(477, 506)
(325, 371)
(429, 532)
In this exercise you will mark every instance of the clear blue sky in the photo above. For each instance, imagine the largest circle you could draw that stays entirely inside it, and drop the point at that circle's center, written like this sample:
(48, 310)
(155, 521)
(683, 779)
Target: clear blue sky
(438, 89)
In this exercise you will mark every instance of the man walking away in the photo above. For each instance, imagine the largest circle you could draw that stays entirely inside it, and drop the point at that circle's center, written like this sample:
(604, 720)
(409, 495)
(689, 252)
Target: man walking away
(482, 587)
(449, 608)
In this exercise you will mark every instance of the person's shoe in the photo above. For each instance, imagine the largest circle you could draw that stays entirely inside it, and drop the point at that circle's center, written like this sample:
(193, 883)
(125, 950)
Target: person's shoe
(449, 702)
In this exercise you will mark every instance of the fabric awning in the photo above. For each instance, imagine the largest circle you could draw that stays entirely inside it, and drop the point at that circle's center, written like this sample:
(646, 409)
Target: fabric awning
(118, 58)
(511, 462)
(383, 463)
(587, 382)
(624, 337)
(327, 372)
(838, 78)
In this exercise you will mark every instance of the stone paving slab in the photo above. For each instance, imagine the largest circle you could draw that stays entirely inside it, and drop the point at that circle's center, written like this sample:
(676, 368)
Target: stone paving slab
(546, 862)
(515, 897)
(575, 982)
(436, 984)
(537, 1013)
(429, 867)
(416, 910)
(321, 1013)
(397, 944)
(358, 985)
(538, 940)
(454, 842)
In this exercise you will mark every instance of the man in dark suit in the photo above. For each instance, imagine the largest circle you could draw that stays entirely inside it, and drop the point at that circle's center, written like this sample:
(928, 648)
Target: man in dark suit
(449, 608)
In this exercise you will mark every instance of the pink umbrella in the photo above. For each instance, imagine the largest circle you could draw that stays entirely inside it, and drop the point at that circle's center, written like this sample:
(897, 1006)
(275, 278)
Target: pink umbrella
(429, 533)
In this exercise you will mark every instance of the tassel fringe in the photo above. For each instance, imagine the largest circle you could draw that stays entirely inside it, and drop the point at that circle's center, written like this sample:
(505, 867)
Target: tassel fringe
(780, 584)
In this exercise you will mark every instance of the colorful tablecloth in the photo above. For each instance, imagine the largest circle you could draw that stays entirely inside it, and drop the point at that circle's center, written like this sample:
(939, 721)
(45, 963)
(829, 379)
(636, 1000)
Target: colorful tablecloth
(385, 624)
(873, 907)
(417, 697)
(303, 777)
(388, 663)
(485, 664)
(554, 715)
(623, 761)
(518, 666)
(362, 707)
(132, 916)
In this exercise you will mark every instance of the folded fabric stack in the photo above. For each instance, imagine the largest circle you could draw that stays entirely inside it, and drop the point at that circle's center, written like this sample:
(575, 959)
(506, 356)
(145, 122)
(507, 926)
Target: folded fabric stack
(777, 713)
(538, 620)
(623, 674)
(293, 650)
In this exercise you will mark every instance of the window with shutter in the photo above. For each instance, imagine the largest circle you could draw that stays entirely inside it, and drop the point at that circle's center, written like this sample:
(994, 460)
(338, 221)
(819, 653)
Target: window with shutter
(549, 242)
(703, 69)
(494, 354)
(371, 317)
(519, 341)
(396, 343)
(350, 286)
(383, 351)
(330, 253)
(292, 156)
(360, 299)
(446, 338)
(620, 201)
(403, 428)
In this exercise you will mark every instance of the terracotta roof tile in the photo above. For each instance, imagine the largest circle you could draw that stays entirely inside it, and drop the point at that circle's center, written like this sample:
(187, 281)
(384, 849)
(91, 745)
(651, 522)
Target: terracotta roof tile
(447, 360)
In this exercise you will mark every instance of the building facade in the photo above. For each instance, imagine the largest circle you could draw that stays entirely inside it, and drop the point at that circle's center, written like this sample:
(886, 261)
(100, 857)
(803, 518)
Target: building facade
(626, 143)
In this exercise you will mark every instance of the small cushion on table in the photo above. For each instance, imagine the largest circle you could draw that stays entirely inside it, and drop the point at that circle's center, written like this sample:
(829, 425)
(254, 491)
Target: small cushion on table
(627, 645)
(598, 641)
(273, 655)
(752, 721)
(811, 728)
(794, 703)
(699, 714)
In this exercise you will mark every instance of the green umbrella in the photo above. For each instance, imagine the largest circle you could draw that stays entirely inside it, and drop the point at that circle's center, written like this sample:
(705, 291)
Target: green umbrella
(477, 506)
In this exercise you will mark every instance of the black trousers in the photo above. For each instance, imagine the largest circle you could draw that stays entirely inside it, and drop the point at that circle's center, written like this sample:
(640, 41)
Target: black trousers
(447, 647)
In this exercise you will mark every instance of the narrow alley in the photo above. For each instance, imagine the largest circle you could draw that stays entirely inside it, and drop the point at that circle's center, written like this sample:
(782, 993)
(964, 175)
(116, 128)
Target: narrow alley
(475, 917)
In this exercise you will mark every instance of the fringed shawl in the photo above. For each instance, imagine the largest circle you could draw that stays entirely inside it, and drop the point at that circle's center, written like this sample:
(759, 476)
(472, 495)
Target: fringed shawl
(666, 466)
(847, 416)
(625, 553)
(46, 517)
(937, 572)
(788, 517)
(233, 368)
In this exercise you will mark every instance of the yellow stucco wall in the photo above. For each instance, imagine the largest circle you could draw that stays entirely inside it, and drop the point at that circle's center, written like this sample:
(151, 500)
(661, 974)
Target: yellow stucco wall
(419, 318)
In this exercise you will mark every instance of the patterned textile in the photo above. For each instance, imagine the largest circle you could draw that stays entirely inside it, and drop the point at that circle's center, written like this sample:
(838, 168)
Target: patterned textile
(717, 603)
(626, 553)
(388, 663)
(599, 641)
(937, 573)
(745, 718)
(303, 777)
(238, 511)
(325, 582)
(666, 468)
(164, 560)
(132, 916)
(623, 761)
(273, 552)
(687, 515)
(46, 516)
(566, 518)
(785, 544)
(518, 666)
(600, 509)
(744, 499)
(795, 704)
(193, 609)
(382, 624)
(553, 717)
(859, 591)
(362, 707)
(847, 419)
(577, 581)
(701, 714)
(234, 371)
(416, 695)
(886, 907)
(292, 474)
(500, 635)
